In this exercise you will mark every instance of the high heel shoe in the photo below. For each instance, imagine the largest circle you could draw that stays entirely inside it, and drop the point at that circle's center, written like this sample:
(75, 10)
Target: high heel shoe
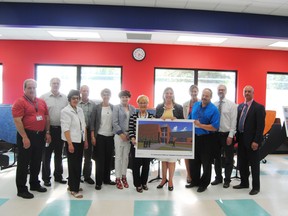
(170, 188)
(161, 186)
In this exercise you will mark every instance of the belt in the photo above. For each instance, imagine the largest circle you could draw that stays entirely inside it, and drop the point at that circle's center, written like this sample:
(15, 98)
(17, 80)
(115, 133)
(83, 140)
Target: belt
(56, 127)
(223, 133)
(34, 132)
(202, 135)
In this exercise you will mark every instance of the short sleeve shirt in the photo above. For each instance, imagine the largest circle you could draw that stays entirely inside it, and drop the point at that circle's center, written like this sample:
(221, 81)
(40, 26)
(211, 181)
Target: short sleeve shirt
(206, 115)
(33, 113)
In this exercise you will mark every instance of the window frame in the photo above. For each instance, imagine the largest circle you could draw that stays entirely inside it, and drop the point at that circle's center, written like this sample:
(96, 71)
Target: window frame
(196, 78)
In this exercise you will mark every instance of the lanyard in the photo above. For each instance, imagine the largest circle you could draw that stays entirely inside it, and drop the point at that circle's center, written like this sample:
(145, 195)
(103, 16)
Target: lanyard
(32, 103)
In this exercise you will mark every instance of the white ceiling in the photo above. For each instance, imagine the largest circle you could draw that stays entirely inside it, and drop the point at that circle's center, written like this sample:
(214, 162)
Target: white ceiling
(269, 7)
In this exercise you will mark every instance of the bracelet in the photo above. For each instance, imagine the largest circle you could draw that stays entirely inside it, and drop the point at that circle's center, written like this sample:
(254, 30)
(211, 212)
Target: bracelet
(47, 132)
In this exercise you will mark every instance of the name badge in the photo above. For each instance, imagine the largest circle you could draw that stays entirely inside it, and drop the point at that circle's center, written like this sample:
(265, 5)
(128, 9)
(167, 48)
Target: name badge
(39, 118)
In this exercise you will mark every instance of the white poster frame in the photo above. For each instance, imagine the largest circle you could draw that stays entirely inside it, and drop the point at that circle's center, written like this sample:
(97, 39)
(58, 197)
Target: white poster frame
(153, 142)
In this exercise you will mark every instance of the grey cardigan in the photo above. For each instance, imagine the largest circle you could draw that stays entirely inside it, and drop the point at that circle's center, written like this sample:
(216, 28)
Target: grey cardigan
(120, 117)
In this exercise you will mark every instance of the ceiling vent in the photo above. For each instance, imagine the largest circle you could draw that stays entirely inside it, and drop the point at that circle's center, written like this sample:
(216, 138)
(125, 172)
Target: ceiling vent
(133, 36)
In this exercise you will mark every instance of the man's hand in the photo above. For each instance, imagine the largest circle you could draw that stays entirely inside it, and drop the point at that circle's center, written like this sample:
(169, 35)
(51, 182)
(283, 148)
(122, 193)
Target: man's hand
(71, 148)
(48, 138)
(85, 144)
(26, 143)
(229, 141)
(254, 146)
(93, 140)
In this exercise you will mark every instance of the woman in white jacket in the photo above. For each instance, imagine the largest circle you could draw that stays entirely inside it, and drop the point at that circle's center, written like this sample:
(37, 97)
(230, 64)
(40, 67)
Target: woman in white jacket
(74, 134)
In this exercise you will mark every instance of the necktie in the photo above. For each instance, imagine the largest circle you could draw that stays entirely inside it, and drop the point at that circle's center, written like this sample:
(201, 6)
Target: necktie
(220, 106)
(242, 118)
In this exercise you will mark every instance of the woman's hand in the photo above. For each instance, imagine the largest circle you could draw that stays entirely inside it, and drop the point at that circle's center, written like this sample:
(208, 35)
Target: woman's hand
(123, 137)
(133, 141)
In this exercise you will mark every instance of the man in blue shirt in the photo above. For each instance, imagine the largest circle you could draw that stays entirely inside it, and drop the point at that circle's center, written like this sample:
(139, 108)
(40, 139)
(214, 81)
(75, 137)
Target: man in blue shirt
(206, 120)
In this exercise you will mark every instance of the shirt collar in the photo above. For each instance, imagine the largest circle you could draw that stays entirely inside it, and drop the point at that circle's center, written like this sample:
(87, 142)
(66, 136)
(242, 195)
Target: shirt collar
(82, 102)
(59, 95)
(249, 103)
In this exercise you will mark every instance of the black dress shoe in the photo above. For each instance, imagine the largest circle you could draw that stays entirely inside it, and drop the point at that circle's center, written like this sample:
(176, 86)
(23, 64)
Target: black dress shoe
(89, 181)
(145, 187)
(191, 185)
(216, 182)
(47, 183)
(25, 195)
(39, 189)
(240, 186)
(110, 183)
(226, 185)
(61, 181)
(139, 189)
(253, 192)
(98, 187)
(201, 189)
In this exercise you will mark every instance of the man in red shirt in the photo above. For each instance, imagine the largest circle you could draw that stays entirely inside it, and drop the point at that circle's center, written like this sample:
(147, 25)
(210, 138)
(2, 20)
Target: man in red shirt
(32, 123)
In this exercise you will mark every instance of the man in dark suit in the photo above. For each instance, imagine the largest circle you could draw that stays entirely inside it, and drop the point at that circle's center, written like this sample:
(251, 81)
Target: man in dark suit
(250, 126)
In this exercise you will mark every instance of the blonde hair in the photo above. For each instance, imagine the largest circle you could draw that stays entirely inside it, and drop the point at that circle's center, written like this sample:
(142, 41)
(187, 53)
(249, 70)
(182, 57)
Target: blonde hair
(164, 92)
(142, 98)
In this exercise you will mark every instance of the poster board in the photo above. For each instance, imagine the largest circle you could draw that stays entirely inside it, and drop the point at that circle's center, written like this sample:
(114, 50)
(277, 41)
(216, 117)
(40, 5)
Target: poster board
(285, 112)
(157, 138)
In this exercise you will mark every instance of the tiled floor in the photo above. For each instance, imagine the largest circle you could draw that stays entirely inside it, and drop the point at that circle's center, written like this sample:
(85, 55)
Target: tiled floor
(272, 200)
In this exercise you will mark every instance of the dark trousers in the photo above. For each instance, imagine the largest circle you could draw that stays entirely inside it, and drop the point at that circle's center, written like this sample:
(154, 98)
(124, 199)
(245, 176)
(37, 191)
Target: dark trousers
(87, 168)
(140, 176)
(55, 146)
(29, 157)
(103, 155)
(222, 150)
(246, 157)
(74, 165)
(204, 157)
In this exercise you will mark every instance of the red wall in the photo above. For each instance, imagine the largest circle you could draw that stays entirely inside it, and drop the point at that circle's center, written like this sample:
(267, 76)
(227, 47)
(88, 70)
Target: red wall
(19, 59)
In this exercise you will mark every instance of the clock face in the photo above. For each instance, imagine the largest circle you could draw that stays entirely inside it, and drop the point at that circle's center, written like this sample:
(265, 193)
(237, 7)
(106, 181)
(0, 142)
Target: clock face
(139, 54)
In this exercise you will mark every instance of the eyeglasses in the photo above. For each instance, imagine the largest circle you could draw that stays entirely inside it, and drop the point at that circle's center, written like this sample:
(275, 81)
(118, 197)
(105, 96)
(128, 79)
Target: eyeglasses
(75, 98)
(143, 103)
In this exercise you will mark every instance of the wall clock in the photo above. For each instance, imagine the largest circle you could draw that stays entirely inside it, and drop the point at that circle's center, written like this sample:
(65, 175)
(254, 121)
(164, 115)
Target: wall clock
(139, 54)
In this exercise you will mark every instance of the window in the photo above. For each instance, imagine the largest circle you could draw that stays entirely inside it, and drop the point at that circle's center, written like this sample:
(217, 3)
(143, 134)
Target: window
(67, 75)
(98, 78)
(211, 79)
(1, 84)
(181, 79)
(178, 79)
(72, 77)
(276, 92)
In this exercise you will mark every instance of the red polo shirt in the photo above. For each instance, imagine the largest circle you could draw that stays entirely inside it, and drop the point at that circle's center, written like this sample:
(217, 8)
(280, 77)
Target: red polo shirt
(33, 112)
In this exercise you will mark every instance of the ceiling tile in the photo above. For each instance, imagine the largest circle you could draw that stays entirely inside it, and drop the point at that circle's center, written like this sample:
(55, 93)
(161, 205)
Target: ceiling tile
(261, 8)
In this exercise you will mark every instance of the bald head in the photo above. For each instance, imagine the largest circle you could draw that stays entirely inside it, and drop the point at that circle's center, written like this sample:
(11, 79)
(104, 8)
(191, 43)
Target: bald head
(248, 93)
(206, 96)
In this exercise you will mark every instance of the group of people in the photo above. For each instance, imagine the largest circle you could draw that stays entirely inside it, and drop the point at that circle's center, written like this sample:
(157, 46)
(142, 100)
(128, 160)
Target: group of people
(53, 121)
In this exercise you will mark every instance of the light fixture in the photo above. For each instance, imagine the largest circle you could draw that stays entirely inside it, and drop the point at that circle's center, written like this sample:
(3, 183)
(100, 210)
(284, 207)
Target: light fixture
(74, 34)
(198, 39)
(280, 44)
